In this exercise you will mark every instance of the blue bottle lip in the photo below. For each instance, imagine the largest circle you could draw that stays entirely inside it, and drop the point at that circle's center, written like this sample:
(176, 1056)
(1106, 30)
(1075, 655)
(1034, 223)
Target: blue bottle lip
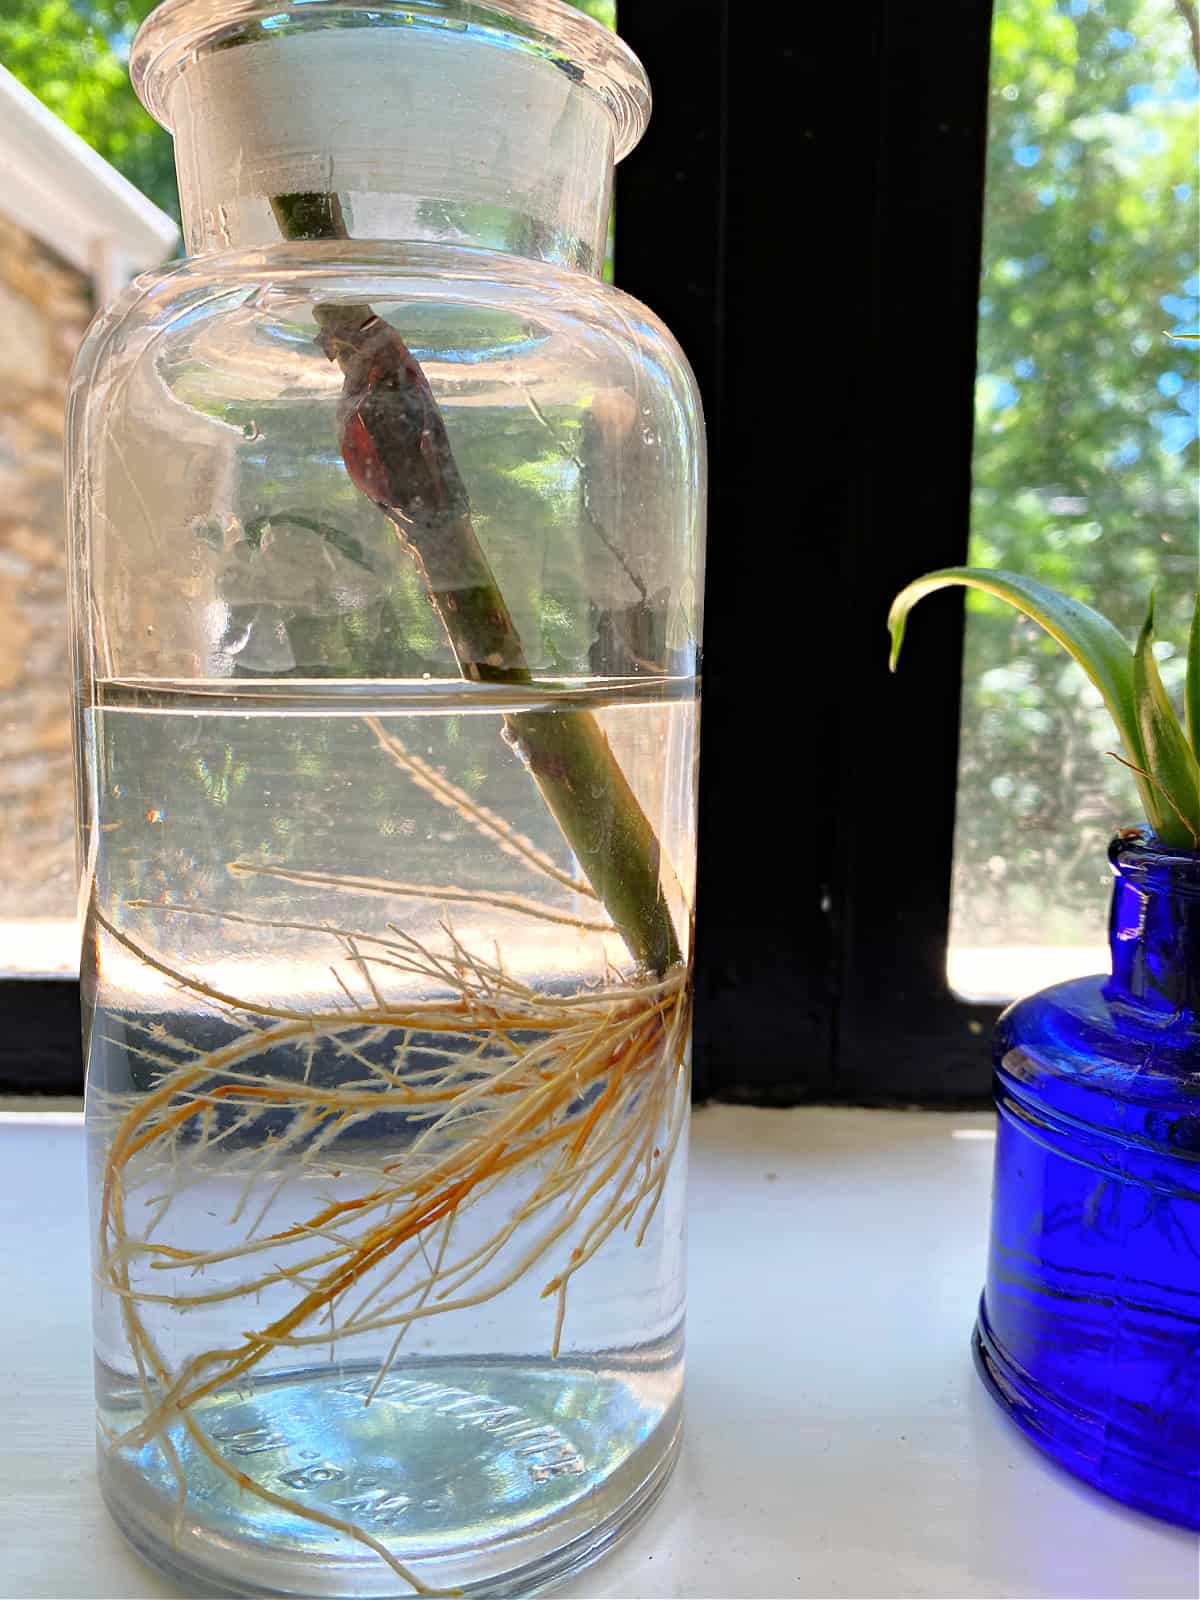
(1154, 931)
(1137, 856)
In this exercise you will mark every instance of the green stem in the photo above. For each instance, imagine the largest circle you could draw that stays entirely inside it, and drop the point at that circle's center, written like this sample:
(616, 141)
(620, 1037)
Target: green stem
(397, 452)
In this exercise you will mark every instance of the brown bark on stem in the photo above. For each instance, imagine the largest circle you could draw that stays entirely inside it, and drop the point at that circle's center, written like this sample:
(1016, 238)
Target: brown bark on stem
(394, 443)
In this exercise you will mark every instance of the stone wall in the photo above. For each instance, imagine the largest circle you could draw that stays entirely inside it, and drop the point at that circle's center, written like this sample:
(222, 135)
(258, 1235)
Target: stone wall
(44, 309)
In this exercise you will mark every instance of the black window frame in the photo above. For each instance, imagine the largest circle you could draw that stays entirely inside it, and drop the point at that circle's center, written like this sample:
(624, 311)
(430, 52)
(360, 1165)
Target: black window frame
(806, 214)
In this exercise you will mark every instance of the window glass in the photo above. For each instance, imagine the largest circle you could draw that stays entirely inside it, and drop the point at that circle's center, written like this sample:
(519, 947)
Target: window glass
(1085, 456)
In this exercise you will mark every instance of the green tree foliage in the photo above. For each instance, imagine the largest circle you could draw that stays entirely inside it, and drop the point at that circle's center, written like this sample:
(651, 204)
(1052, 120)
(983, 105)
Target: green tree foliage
(1086, 435)
(73, 55)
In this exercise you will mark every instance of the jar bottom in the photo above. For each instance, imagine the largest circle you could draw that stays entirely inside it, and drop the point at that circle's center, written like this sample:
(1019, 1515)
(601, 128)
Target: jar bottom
(487, 1477)
(1081, 1441)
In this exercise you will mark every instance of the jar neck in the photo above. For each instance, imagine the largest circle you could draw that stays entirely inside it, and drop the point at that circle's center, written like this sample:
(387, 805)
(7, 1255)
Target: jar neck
(1154, 928)
(423, 133)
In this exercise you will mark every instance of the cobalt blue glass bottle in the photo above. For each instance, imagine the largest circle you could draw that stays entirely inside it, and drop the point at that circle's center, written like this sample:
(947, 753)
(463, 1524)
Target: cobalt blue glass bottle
(1089, 1327)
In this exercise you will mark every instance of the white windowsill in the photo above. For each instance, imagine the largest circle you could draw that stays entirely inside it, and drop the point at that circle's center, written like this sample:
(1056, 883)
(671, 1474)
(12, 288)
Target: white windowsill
(838, 1442)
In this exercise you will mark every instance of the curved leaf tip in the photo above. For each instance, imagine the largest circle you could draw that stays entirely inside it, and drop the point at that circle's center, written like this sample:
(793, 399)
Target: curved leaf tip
(896, 625)
(1164, 760)
(1090, 638)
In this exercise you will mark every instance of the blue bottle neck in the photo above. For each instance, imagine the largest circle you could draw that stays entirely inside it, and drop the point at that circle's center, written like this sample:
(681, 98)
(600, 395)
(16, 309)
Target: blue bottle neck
(1154, 930)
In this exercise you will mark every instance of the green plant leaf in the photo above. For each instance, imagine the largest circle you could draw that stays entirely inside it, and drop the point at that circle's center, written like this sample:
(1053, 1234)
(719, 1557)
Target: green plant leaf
(1192, 692)
(1169, 759)
(1090, 638)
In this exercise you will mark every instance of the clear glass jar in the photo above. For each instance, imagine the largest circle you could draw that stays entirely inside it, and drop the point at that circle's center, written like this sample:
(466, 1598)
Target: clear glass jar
(387, 523)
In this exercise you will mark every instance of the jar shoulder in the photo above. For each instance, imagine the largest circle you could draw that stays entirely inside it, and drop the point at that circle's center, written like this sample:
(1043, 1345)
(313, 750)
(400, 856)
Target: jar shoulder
(162, 307)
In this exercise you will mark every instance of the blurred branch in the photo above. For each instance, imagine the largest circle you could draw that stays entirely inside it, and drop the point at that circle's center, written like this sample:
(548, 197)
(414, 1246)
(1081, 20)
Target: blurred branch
(1187, 10)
